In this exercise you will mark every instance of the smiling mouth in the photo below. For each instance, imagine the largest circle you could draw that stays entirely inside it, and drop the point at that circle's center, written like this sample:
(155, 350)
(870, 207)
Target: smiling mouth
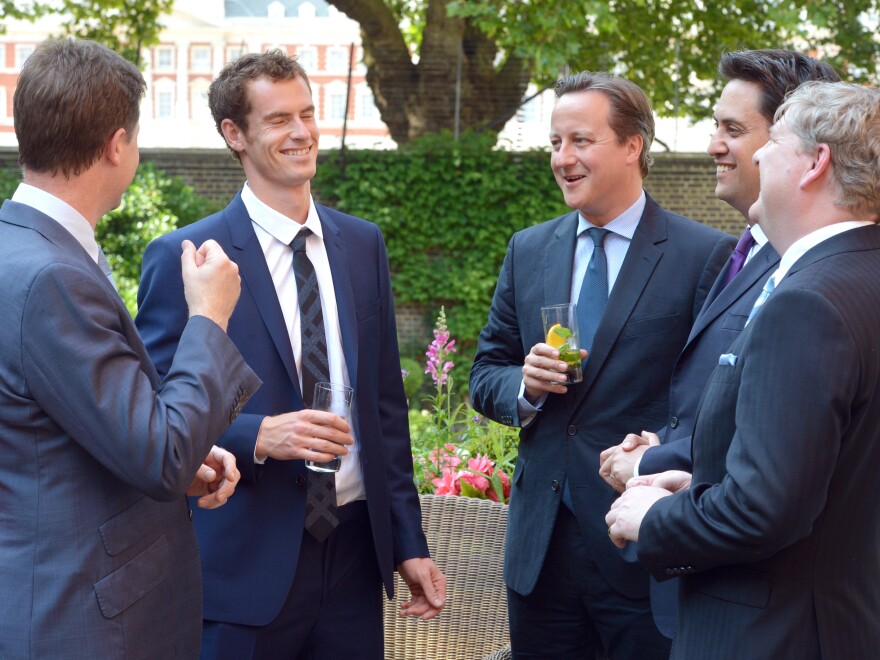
(721, 169)
(296, 152)
(573, 179)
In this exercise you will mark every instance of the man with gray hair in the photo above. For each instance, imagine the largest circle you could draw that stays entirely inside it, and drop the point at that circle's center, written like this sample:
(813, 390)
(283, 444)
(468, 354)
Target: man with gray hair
(776, 535)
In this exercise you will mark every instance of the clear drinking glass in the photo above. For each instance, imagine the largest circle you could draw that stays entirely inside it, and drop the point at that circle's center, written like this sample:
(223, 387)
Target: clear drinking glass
(336, 399)
(561, 332)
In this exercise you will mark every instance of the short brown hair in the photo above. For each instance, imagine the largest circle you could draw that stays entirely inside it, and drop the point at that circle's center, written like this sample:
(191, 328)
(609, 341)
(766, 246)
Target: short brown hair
(631, 112)
(228, 94)
(72, 96)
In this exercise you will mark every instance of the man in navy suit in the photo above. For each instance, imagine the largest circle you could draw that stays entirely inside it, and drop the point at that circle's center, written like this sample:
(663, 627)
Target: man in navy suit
(776, 538)
(98, 558)
(570, 592)
(757, 82)
(275, 585)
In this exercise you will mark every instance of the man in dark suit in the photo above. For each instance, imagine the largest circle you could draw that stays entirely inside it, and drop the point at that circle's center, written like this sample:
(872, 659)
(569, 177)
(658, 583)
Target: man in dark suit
(301, 577)
(777, 536)
(570, 592)
(98, 558)
(757, 82)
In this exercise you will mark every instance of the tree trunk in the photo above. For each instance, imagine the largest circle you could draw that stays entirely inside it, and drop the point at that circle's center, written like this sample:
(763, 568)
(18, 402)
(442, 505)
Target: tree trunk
(415, 99)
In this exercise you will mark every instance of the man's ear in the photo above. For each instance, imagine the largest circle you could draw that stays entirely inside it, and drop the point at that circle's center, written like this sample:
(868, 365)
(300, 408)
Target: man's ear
(634, 145)
(233, 135)
(819, 167)
(113, 148)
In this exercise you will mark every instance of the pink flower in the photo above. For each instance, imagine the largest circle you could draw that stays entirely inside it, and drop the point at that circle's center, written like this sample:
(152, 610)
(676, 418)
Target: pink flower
(481, 465)
(447, 484)
(438, 350)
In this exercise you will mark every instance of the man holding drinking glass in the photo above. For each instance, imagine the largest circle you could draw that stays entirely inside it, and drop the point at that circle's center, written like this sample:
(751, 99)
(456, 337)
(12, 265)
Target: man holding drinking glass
(295, 568)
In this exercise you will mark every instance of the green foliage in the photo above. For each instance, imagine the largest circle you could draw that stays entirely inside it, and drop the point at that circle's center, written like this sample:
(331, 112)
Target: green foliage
(153, 205)
(122, 25)
(126, 26)
(671, 47)
(447, 211)
(413, 379)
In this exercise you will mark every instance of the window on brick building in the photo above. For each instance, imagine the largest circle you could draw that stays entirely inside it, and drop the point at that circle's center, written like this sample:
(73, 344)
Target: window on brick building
(164, 105)
(164, 58)
(308, 59)
(337, 59)
(22, 52)
(337, 106)
(201, 58)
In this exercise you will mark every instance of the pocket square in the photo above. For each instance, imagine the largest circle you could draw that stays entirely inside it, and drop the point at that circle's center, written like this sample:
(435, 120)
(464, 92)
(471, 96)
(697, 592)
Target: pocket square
(727, 359)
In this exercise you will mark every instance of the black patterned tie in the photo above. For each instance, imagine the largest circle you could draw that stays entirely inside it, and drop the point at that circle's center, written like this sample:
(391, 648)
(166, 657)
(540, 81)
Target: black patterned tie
(321, 514)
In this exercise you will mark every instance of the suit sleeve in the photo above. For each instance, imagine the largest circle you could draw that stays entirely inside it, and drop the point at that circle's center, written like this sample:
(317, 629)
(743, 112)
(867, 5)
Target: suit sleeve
(81, 369)
(406, 518)
(161, 319)
(496, 374)
(787, 439)
(674, 455)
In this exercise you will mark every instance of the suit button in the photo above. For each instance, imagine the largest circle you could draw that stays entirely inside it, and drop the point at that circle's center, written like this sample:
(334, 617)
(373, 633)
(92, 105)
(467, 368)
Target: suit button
(572, 430)
(673, 423)
(300, 480)
(554, 485)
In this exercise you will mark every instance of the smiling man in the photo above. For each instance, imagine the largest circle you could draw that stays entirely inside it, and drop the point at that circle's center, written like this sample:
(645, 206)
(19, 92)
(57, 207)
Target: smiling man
(302, 556)
(776, 538)
(639, 275)
(757, 81)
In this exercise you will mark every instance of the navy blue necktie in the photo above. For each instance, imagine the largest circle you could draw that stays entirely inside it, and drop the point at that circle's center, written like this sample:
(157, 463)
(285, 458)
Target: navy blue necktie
(594, 289)
(590, 305)
(321, 511)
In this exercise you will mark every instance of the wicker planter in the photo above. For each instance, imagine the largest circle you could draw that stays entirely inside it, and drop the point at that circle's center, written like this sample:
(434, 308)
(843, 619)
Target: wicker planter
(466, 538)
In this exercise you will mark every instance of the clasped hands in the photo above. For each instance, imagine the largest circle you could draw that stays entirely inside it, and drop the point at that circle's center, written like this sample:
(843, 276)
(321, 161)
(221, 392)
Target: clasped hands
(617, 466)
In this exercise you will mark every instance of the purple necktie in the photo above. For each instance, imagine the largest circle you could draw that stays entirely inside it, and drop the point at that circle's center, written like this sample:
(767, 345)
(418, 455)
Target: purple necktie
(738, 258)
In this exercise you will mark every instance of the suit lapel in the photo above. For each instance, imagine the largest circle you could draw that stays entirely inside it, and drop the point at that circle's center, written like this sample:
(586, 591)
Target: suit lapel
(248, 254)
(758, 268)
(641, 259)
(559, 264)
(337, 255)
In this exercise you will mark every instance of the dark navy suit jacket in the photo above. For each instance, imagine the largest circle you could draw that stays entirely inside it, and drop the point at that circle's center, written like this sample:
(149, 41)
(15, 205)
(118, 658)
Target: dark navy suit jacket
(245, 578)
(668, 270)
(776, 540)
(718, 325)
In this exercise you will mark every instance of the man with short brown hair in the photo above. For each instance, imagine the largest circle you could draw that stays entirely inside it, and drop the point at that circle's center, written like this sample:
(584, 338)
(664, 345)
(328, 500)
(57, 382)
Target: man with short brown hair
(639, 275)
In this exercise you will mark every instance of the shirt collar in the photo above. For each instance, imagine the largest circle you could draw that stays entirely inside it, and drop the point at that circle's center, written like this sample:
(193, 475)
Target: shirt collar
(278, 225)
(759, 235)
(623, 225)
(60, 211)
(811, 240)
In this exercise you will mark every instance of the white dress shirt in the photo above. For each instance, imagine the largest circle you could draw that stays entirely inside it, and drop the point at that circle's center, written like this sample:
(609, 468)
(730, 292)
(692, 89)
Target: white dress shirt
(811, 240)
(275, 232)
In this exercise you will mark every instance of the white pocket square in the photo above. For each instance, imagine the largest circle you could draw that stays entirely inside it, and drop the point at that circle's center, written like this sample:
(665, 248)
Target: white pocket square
(728, 359)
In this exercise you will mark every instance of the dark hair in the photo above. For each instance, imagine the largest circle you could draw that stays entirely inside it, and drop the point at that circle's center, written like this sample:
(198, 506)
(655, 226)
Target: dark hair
(71, 97)
(228, 94)
(777, 72)
(631, 112)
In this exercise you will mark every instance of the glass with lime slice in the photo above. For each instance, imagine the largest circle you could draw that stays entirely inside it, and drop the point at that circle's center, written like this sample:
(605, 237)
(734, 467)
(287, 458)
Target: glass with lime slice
(561, 332)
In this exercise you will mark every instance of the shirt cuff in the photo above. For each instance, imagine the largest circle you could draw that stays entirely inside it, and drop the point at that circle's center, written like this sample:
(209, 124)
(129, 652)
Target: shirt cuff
(526, 410)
